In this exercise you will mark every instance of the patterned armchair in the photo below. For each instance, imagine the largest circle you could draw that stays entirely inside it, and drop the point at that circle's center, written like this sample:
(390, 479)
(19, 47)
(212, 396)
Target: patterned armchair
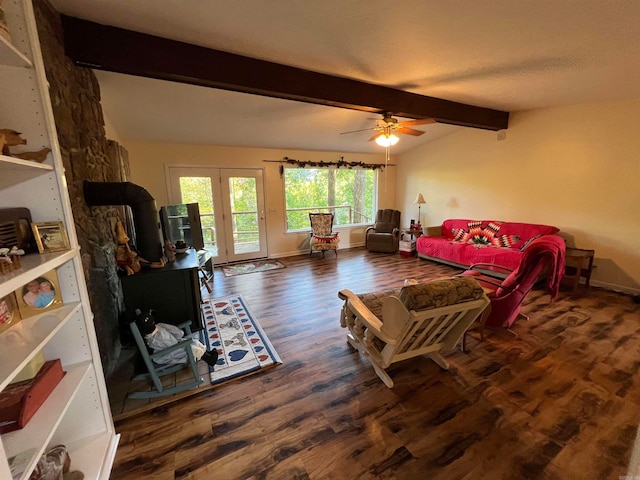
(423, 319)
(323, 237)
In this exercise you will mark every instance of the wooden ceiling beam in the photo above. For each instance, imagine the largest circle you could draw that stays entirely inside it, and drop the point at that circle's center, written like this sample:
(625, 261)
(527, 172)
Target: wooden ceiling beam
(102, 47)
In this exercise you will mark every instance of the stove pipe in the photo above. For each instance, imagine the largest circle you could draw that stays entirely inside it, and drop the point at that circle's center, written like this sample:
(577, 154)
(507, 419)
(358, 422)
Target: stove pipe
(143, 206)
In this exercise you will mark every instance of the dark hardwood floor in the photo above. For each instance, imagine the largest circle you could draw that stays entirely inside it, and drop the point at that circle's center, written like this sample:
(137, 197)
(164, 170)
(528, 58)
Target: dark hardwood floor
(559, 401)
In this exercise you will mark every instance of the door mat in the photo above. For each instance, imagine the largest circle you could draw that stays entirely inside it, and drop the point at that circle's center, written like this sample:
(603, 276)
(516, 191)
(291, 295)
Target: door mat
(252, 267)
(242, 345)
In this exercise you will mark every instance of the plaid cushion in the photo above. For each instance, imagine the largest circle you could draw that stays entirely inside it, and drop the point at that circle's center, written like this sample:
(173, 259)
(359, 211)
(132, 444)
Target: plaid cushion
(373, 301)
(440, 293)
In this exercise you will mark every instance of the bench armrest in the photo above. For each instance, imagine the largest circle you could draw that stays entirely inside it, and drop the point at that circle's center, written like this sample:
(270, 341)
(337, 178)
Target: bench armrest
(366, 316)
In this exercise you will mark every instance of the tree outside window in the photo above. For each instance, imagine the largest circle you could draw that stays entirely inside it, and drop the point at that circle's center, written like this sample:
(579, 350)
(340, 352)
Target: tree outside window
(348, 193)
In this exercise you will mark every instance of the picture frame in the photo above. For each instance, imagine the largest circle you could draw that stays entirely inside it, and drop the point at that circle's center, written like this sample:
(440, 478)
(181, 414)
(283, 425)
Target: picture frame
(36, 296)
(9, 312)
(50, 236)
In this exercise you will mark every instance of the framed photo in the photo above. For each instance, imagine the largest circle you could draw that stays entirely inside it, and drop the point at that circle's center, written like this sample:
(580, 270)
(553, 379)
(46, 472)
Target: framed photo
(9, 313)
(39, 295)
(50, 236)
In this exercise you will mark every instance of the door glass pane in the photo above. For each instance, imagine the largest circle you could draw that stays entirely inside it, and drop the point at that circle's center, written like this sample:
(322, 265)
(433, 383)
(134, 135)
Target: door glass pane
(198, 190)
(244, 214)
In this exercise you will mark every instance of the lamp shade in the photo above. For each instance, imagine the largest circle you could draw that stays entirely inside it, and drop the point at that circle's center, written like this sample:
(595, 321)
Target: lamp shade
(387, 140)
(420, 199)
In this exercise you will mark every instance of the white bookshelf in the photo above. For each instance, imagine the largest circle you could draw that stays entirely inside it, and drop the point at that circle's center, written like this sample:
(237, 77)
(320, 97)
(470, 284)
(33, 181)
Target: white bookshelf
(77, 413)
(10, 55)
(14, 170)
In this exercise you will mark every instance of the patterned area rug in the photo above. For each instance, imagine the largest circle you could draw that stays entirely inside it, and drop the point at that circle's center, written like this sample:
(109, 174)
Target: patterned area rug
(242, 344)
(252, 267)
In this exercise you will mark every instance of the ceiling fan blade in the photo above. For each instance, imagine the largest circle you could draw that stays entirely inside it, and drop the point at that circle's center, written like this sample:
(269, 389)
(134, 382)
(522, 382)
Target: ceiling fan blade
(356, 131)
(379, 134)
(420, 121)
(410, 131)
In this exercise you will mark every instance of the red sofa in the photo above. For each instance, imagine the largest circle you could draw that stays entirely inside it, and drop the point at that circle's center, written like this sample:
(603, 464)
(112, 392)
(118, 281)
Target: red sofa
(463, 242)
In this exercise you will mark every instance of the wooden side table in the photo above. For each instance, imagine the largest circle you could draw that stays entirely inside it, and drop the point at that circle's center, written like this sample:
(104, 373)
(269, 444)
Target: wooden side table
(578, 263)
(414, 232)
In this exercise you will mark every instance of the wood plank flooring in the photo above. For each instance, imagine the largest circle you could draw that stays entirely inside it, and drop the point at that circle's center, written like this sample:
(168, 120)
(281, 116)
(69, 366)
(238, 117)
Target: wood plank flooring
(557, 402)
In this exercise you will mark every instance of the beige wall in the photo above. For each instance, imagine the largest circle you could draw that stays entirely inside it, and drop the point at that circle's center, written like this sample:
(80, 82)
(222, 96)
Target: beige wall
(148, 161)
(576, 167)
(110, 132)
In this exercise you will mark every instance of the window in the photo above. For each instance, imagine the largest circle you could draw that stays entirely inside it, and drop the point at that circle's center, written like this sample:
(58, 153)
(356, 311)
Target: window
(348, 193)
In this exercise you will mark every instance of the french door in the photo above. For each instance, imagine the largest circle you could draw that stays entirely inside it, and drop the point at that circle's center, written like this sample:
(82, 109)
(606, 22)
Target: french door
(231, 203)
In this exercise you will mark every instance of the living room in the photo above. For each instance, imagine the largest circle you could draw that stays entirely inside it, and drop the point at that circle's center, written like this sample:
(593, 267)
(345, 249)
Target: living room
(571, 166)
(566, 159)
(556, 167)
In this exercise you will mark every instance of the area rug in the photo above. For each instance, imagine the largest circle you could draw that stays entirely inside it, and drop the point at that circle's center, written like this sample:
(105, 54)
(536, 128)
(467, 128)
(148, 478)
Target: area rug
(242, 345)
(252, 267)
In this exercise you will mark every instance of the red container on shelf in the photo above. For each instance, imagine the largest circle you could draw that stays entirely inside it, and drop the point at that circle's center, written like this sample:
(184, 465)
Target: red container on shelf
(20, 401)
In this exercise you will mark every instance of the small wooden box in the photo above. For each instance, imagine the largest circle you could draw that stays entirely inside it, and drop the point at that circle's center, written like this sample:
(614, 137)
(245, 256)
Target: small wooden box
(20, 401)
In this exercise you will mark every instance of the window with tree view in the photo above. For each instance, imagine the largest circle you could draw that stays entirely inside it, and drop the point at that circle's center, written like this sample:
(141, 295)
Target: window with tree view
(348, 193)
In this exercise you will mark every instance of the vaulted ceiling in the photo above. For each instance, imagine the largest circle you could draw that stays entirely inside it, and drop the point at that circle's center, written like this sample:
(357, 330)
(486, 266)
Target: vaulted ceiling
(496, 54)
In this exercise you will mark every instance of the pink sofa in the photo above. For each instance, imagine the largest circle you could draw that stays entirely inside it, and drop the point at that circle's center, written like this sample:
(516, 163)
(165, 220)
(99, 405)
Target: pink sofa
(463, 242)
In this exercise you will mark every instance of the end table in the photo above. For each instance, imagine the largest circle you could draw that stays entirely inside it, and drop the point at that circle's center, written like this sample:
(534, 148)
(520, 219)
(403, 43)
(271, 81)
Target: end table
(578, 263)
(414, 232)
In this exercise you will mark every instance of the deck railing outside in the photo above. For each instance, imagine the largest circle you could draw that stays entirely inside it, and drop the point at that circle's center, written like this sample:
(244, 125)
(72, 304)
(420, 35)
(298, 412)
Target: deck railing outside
(344, 215)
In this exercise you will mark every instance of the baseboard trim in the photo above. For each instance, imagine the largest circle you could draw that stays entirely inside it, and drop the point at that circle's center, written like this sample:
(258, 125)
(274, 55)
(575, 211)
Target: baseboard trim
(306, 251)
(615, 287)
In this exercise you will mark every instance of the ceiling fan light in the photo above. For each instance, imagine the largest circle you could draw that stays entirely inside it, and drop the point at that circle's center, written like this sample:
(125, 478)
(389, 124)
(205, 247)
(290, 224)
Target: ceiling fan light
(387, 140)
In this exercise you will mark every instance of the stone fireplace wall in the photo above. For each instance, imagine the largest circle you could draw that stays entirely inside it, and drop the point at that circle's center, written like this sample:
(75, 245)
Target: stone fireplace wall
(87, 155)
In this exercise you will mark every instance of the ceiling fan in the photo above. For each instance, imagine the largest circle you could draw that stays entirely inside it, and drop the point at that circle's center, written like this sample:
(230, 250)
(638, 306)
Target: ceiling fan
(387, 127)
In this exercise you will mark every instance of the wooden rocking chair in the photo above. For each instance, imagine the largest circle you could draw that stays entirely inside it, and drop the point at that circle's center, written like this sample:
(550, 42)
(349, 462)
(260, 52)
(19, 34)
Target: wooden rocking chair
(424, 319)
(156, 371)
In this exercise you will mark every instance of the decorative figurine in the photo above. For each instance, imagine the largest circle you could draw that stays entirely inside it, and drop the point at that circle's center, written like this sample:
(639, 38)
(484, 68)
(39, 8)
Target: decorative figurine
(126, 258)
(5, 261)
(11, 139)
(10, 259)
(39, 156)
(169, 251)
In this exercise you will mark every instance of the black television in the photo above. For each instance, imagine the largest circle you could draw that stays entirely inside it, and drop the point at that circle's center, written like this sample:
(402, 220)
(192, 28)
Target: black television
(182, 222)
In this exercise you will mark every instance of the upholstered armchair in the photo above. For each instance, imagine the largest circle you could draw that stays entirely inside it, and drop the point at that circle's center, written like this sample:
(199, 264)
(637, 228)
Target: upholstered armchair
(384, 235)
(543, 258)
(424, 319)
(323, 237)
